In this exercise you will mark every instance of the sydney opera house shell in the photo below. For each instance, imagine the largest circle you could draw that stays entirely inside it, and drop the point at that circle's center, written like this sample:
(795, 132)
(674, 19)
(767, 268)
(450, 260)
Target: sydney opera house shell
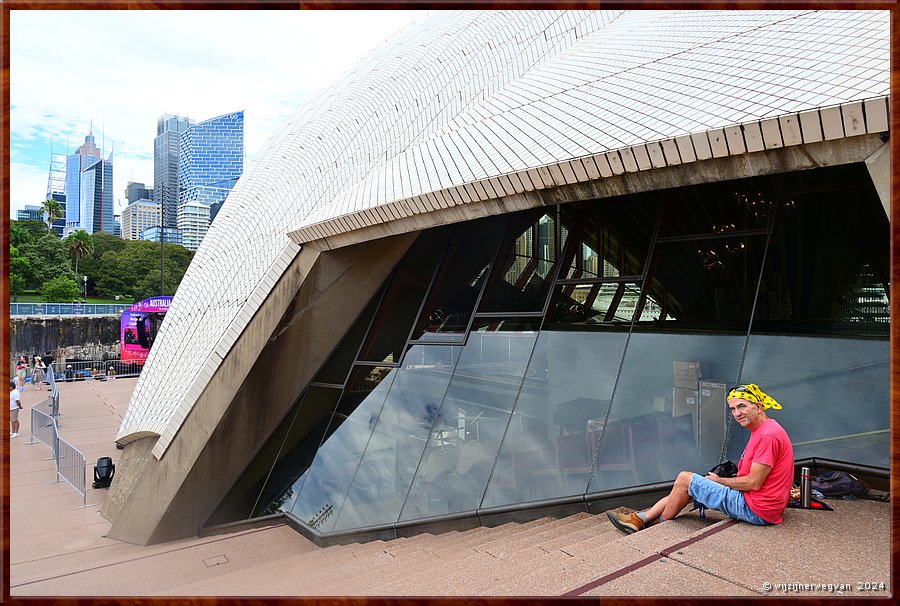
(510, 263)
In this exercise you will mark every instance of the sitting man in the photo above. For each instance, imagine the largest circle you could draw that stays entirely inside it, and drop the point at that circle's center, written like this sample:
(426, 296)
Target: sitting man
(762, 488)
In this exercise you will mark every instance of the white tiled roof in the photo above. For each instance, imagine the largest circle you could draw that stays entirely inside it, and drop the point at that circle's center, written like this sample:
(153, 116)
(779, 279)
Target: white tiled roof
(472, 105)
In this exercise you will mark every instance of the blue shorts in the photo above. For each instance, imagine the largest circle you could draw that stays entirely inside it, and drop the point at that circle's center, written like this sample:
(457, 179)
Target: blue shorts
(729, 501)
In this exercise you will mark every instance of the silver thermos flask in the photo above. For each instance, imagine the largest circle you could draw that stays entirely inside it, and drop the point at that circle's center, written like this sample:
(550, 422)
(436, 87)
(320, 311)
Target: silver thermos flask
(805, 487)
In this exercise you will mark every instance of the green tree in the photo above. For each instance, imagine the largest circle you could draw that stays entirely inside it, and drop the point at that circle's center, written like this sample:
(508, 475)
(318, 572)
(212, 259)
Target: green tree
(20, 273)
(81, 245)
(21, 232)
(53, 210)
(60, 290)
(46, 253)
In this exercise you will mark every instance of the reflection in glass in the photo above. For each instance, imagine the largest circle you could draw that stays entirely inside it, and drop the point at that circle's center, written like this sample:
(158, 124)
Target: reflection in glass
(459, 281)
(834, 394)
(654, 427)
(828, 286)
(609, 240)
(526, 263)
(470, 424)
(546, 450)
(403, 297)
(297, 442)
(706, 283)
(325, 483)
(609, 303)
(398, 437)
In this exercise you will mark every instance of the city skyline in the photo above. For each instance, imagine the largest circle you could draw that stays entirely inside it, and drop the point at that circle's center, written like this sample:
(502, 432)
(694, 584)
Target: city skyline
(207, 65)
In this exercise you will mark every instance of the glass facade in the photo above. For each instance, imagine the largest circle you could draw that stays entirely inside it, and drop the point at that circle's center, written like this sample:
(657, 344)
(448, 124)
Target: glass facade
(83, 157)
(211, 159)
(587, 347)
(97, 198)
(166, 153)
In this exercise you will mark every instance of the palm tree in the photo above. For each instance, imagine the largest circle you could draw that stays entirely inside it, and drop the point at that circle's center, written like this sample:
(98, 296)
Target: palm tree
(81, 245)
(53, 210)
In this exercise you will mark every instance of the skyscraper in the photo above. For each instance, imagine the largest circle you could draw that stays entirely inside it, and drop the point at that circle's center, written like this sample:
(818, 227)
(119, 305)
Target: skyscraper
(211, 159)
(96, 208)
(166, 148)
(135, 191)
(84, 156)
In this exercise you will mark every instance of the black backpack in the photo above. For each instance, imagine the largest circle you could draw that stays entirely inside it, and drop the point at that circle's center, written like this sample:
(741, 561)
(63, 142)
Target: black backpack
(838, 484)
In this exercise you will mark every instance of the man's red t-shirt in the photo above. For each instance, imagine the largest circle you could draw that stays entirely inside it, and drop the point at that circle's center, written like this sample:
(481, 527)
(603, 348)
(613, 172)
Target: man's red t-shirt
(769, 445)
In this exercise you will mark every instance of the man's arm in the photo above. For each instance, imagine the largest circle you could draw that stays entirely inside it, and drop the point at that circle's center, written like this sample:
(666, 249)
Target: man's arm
(752, 481)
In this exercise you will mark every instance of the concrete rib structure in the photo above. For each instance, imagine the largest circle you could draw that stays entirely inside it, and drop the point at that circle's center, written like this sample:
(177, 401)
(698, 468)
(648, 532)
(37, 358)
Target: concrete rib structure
(462, 116)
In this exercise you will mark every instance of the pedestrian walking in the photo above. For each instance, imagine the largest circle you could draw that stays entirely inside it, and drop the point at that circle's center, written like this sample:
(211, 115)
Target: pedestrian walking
(38, 373)
(21, 372)
(15, 405)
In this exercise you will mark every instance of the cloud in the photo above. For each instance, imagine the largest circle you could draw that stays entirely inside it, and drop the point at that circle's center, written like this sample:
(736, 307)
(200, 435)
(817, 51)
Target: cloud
(116, 72)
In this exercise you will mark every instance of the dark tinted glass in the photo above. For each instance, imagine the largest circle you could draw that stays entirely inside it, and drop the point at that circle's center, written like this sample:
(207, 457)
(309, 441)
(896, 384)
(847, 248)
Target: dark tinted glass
(718, 207)
(403, 298)
(530, 250)
(595, 304)
(295, 443)
(828, 266)
(704, 284)
(460, 279)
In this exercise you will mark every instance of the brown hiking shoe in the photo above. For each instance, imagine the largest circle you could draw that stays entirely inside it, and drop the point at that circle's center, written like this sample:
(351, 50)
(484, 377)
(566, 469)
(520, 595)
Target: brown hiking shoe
(627, 522)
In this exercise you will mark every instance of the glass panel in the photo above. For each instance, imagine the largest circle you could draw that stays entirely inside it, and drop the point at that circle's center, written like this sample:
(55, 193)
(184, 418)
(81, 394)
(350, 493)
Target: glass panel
(323, 487)
(705, 284)
(506, 324)
(718, 208)
(530, 250)
(470, 424)
(611, 239)
(834, 394)
(654, 429)
(400, 434)
(459, 281)
(835, 285)
(611, 303)
(294, 444)
(546, 451)
(401, 303)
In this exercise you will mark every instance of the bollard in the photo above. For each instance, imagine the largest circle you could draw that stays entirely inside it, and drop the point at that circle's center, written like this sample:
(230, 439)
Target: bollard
(805, 487)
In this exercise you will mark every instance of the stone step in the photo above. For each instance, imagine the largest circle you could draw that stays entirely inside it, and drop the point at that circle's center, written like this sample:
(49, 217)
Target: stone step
(446, 557)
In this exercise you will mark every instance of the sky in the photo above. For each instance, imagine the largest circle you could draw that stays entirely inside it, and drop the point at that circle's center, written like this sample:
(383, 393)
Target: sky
(115, 72)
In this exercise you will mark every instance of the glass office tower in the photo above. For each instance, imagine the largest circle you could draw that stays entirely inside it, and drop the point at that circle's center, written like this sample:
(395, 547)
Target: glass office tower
(96, 208)
(211, 159)
(76, 162)
(166, 149)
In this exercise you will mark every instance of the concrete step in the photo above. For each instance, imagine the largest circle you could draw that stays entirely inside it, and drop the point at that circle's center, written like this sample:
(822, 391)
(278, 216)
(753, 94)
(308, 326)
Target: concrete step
(416, 578)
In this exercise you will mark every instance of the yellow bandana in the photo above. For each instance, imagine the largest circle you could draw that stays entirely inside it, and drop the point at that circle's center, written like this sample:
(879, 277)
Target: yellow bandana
(752, 393)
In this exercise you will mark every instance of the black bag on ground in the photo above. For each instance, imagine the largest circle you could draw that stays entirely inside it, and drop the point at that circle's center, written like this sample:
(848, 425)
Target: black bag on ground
(838, 484)
(726, 469)
(104, 471)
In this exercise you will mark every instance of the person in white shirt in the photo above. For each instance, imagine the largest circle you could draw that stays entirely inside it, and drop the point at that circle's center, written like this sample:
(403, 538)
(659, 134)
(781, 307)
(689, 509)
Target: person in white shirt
(15, 405)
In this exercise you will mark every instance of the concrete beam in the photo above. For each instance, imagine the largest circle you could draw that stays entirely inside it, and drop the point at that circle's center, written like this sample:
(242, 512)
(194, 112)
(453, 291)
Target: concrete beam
(879, 165)
(288, 339)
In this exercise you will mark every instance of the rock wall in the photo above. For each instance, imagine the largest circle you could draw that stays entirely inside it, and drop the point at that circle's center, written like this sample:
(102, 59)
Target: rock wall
(80, 337)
